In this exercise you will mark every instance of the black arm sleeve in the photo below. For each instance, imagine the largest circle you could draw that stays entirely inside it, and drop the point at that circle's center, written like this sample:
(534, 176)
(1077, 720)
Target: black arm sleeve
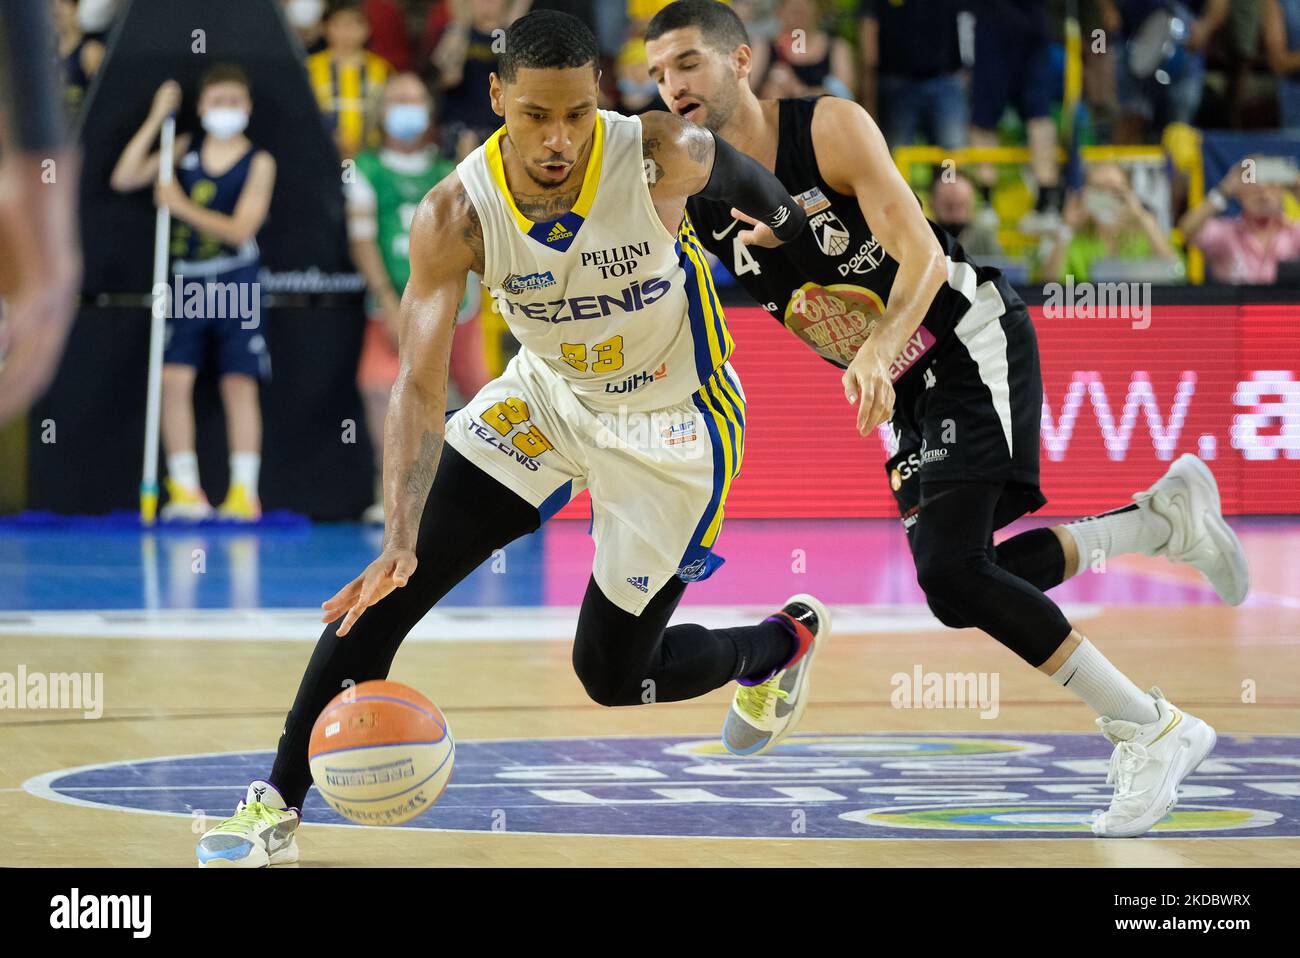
(29, 85)
(742, 182)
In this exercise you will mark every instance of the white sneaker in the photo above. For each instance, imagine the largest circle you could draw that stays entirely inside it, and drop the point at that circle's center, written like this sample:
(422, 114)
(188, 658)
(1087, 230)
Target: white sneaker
(260, 833)
(1149, 763)
(763, 713)
(374, 514)
(1188, 497)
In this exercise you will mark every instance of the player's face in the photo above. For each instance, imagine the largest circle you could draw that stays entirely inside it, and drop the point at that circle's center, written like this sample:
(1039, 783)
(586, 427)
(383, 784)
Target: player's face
(550, 118)
(695, 80)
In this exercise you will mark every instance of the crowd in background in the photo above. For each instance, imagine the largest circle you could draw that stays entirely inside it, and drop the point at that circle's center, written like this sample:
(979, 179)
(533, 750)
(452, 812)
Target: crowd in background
(402, 87)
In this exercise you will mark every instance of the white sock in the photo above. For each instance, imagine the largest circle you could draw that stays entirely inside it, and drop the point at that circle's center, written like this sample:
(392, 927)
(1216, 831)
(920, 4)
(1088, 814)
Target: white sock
(1121, 532)
(1088, 674)
(244, 467)
(183, 468)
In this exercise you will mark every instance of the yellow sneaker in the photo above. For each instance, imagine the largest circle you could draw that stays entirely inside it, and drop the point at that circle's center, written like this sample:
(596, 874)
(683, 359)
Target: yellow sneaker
(184, 504)
(241, 505)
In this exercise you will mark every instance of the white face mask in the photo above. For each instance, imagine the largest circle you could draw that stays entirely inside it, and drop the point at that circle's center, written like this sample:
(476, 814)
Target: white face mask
(223, 122)
(406, 121)
(304, 14)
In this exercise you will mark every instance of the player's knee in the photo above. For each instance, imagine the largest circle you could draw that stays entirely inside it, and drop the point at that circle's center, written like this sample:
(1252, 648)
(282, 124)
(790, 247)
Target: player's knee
(950, 587)
(945, 614)
(603, 681)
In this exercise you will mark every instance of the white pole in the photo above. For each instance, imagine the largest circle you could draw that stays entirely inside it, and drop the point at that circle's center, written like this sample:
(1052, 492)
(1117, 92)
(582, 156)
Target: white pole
(161, 304)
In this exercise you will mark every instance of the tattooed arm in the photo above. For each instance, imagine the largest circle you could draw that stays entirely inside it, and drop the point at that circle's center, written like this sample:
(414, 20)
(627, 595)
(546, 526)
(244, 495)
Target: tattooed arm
(682, 160)
(446, 244)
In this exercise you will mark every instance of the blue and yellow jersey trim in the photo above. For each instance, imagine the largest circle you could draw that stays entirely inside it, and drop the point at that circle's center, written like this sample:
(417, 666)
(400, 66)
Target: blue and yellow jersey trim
(557, 234)
(722, 408)
(713, 342)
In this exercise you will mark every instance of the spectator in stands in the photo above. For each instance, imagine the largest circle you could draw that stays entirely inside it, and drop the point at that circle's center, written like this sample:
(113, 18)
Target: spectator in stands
(464, 58)
(803, 59)
(218, 198)
(1012, 67)
(912, 71)
(347, 78)
(388, 32)
(381, 201)
(637, 92)
(305, 17)
(1147, 106)
(1246, 248)
(79, 55)
(759, 16)
(95, 17)
(952, 204)
(1281, 30)
(1106, 220)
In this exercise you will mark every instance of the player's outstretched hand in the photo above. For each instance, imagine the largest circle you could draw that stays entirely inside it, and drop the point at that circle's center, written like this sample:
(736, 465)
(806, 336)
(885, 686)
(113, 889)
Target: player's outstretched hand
(392, 570)
(760, 235)
(867, 384)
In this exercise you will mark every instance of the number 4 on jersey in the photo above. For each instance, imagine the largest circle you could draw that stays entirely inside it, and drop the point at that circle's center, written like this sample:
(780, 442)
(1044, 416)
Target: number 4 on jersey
(745, 262)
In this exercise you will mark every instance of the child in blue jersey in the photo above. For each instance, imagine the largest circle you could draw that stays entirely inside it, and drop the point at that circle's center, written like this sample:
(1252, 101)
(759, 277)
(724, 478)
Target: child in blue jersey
(218, 198)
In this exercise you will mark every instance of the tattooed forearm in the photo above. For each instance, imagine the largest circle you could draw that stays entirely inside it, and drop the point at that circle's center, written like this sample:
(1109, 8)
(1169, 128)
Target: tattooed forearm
(419, 477)
(471, 231)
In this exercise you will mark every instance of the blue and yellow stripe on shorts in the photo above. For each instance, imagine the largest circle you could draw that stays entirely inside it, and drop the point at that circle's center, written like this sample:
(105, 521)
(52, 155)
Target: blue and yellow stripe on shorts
(713, 342)
(719, 400)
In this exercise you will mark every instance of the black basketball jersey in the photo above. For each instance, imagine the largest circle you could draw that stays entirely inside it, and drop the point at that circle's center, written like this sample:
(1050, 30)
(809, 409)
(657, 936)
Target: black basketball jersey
(831, 285)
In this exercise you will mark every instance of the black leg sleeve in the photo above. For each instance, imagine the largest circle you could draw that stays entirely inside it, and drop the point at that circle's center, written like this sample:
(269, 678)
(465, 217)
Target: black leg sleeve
(952, 545)
(468, 514)
(624, 659)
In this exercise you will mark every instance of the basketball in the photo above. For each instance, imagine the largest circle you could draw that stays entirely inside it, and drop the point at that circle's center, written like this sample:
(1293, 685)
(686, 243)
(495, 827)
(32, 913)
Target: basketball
(381, 753)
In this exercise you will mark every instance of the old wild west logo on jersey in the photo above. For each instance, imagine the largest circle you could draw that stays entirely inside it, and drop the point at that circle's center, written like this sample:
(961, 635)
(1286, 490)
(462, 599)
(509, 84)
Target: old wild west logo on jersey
(603, 293)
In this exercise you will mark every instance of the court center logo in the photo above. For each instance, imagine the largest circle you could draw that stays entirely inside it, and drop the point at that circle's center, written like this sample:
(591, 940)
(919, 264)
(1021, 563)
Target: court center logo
(890, 786)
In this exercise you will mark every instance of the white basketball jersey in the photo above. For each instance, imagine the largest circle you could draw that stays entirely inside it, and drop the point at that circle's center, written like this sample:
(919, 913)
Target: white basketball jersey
(607, 297)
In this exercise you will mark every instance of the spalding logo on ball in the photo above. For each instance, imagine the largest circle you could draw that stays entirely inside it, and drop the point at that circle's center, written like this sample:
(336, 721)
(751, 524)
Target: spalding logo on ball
(381, 753)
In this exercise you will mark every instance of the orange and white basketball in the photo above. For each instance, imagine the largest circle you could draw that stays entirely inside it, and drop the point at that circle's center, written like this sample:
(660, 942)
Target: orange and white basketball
(381, 753)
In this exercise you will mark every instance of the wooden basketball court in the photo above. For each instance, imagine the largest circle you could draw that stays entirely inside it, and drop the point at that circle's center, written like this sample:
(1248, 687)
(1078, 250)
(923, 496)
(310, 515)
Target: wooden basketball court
(169, 698)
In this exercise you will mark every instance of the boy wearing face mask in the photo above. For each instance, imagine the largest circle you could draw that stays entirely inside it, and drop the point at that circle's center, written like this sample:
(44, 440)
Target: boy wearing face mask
(218, 198)
(1106, 220)
(1247, 248)
(381, 202)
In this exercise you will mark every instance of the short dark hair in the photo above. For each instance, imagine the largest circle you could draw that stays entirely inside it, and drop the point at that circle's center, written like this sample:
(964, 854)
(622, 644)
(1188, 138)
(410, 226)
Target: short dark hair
(720, 26)
(225, 73)
(344, 6)
(547, 40)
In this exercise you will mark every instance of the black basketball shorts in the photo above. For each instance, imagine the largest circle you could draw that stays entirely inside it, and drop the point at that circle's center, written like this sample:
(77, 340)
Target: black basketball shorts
(972, 412)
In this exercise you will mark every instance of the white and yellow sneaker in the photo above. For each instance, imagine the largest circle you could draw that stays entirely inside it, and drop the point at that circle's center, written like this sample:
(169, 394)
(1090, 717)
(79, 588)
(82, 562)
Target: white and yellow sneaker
(763, 712)
(1147, 766)
(260, 833)
(241, 504)
(184, 503)
(1188, 497)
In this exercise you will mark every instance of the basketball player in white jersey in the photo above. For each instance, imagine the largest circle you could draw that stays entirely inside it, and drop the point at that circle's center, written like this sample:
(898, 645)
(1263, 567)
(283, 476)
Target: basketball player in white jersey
(574, 217)
(944, 349)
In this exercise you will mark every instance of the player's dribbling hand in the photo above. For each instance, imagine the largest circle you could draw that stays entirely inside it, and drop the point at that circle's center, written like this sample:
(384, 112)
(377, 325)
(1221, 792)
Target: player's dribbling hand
(867, 383)
(392, 570)
(760, 235)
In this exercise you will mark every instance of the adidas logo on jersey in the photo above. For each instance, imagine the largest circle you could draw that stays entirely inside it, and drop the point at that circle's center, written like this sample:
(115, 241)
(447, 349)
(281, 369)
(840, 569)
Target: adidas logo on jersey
(640, 582)
(558, 232)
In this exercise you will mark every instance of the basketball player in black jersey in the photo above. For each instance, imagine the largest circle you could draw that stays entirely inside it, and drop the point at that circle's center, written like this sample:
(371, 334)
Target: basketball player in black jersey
(943, 350)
